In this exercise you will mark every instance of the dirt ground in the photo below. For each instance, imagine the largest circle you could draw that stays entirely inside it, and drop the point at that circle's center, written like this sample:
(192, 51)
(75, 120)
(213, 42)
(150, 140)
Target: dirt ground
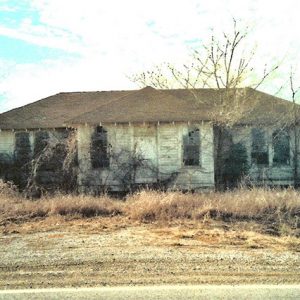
(117, 251)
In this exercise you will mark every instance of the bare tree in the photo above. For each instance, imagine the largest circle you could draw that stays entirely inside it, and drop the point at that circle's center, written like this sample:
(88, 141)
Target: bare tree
(223, 64)
(130, 166)
(295, 117)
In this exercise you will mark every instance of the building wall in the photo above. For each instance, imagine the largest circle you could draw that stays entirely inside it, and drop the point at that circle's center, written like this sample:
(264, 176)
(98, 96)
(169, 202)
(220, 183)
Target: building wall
(19, 148)
(159, 146)
(7, 143)
(271, 173)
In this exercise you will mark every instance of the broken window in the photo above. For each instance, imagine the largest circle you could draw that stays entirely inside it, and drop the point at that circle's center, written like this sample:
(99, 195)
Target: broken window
(191, 148)
(259, 153)
(281, 146)
(99, 148)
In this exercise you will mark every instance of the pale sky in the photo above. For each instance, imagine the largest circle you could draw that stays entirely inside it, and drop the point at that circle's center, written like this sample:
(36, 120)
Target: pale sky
(51, 46)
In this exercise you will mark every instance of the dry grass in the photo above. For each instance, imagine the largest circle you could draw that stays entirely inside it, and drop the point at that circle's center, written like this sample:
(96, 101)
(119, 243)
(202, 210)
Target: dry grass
(15, 208)
(239, 204)
(278, 210)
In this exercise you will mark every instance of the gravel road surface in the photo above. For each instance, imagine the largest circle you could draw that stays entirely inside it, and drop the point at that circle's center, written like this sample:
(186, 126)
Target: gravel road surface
(95, 254)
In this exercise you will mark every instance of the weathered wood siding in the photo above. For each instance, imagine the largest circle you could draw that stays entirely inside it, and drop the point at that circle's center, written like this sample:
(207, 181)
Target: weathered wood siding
(193, 177)
(7, 146)
(161, 149)
(160, 146)
(7, 143)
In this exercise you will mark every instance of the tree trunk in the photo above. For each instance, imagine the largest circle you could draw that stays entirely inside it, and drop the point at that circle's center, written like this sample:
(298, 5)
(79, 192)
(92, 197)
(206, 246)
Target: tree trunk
(296, 141)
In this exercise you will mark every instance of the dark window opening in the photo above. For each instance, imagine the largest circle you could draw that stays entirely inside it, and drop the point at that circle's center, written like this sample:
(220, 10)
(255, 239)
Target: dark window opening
(99, 148)
(259, 153)
(22, 158)
(191, 148)
(22, 148)
(281, 146)
(40, 142)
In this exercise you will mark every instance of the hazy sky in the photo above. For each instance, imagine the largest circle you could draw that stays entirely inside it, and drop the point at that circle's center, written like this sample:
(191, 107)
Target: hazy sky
(50, 46)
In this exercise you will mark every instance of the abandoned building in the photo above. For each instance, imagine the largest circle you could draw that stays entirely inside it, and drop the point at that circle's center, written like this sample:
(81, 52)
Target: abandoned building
(116, 140)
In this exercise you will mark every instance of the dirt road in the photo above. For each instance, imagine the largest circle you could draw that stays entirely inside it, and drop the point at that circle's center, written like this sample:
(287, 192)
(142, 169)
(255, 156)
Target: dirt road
(105, 252)
(161, 292)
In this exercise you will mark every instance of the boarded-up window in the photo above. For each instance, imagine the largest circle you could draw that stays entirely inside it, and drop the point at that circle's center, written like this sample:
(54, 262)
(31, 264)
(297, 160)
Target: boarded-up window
(191, 148)
(259, 153)
(281, 146)
(99, 148)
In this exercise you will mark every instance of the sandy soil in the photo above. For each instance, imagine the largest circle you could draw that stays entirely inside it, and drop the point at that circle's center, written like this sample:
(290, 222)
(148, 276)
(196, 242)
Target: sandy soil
(116, 251)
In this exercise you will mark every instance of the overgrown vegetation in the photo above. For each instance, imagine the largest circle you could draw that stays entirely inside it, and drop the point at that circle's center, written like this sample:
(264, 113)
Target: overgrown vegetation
(236, 165)
(50, 164)
(277, 210)
(54, 163)
(130, 165)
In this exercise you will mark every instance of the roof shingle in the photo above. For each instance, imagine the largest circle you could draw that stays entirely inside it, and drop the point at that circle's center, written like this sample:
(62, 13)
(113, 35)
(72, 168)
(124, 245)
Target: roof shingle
(145, 105)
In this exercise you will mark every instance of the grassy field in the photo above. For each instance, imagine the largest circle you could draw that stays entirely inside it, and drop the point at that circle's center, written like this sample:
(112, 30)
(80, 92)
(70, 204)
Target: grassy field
(276, 211)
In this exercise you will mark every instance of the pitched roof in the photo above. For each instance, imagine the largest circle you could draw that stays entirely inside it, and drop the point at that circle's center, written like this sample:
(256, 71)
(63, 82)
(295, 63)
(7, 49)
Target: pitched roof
(53, 111)
(265, 109)
(145, 105)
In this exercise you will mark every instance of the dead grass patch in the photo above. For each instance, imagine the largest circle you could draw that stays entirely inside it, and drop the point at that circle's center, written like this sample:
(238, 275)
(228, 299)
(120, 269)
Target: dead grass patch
(240, 204)
(16, 209)
(277, 210)
(273, 212)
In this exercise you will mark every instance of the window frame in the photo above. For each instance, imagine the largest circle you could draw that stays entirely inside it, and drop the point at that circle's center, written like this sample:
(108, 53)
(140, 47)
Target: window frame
(99, 146)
